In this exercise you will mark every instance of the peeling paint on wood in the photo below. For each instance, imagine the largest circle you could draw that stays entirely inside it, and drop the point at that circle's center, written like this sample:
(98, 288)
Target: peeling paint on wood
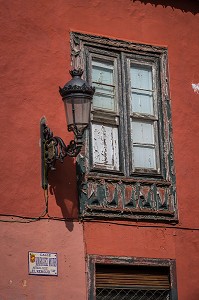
(130, 200)
(105, 146)
(108, 188)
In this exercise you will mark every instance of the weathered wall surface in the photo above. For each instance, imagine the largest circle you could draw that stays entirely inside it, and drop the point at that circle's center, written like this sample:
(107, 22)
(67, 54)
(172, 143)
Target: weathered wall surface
(45, 236)
(35, 58)
(141, 240)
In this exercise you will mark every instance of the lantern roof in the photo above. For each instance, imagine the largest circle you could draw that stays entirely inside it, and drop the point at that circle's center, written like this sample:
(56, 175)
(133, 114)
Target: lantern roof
(76, 85)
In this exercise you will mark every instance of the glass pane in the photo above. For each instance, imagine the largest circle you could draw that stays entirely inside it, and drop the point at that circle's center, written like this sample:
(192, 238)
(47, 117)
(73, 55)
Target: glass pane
(103, 80)
(103, 102)
(144, 157)
(81, 109)
(142, 102)
(141, 77)
(105, 146)
(99, 88)
(102, 72)
(142, 132)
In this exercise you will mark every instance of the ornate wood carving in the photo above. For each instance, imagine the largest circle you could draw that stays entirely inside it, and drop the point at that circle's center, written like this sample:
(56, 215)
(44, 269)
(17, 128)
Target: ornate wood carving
(111, 194)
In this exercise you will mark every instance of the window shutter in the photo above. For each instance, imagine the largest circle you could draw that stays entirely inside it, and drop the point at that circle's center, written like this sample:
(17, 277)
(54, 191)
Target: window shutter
(117, 276)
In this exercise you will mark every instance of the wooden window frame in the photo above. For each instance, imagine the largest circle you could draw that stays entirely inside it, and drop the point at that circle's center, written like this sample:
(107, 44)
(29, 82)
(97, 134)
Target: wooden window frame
(92, 260)
(153, 63)
(125, 193)
(102, 116)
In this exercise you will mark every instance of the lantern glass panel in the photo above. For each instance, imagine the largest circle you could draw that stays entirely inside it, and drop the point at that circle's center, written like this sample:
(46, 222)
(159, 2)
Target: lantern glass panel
(78, 111)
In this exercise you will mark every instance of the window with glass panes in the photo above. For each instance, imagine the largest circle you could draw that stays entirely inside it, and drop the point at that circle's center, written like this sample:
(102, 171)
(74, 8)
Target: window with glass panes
(143, 117)
(105, 114)
(140, 107)
(128, 157)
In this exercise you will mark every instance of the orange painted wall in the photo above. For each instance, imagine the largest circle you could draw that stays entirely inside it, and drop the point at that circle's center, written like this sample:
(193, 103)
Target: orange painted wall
(35, 59)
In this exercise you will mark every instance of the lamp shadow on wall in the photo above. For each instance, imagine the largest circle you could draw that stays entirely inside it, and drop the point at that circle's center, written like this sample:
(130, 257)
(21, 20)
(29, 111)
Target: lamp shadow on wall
(183, 5)
(63, 185)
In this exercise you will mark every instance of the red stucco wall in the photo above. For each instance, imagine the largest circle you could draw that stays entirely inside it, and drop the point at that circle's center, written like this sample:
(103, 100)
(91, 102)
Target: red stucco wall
(35, 58)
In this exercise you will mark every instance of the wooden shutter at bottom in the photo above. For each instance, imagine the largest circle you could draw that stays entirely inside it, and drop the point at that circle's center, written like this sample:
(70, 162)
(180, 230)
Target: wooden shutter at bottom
(132, 276)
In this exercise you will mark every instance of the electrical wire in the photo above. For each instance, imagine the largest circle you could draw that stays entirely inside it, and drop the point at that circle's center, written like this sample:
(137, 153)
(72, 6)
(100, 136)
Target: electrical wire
(26, 219)
(138, 225)
(45, 216)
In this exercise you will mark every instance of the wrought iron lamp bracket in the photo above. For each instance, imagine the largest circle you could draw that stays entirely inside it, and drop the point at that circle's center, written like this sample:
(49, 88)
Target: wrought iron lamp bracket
(77, 95)
(53, 148)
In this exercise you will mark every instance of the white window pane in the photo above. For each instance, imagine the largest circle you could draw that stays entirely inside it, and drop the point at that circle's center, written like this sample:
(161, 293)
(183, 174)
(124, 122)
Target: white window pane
(103, 73)
(98, 62)
(142, 132)
(144, 157)
(142, 102)
(141, 77)
(104, 102)
(103, 81)
(103, 89)
(105, 146)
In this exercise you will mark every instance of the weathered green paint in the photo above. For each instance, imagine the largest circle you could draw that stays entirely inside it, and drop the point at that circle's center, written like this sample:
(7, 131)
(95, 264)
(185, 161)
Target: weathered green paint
(111, 194)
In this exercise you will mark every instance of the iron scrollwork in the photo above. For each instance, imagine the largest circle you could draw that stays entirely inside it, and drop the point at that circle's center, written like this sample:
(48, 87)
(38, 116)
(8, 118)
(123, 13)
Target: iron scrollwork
(77, 95)
(53, 148)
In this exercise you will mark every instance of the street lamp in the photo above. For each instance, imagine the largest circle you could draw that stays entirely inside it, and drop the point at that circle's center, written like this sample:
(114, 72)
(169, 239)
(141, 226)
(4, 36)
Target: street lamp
(77, 95)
